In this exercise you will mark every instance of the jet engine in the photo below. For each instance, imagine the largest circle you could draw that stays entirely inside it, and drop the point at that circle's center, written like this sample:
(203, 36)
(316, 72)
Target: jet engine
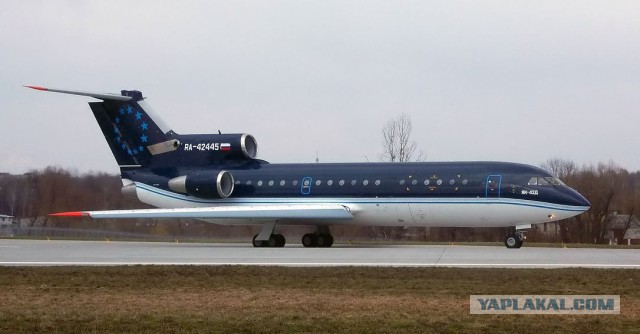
(220, 147)
(204, 184)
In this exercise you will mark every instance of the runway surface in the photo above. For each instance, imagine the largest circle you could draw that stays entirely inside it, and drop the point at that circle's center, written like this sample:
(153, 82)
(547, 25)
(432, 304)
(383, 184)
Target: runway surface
(102, 253)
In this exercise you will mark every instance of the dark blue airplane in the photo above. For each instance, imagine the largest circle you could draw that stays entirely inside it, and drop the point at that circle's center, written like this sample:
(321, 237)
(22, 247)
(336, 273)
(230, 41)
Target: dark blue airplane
(217, 178)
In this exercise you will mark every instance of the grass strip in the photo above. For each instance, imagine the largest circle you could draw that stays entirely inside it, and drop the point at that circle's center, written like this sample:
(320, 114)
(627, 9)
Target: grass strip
(223, 299)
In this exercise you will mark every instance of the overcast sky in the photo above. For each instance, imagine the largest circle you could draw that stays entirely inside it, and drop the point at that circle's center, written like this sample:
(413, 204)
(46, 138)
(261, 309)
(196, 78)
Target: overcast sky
(482, 80)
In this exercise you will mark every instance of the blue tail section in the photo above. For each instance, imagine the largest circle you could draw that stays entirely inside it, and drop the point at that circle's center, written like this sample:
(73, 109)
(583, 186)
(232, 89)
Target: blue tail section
(133, 136)
(138, 138)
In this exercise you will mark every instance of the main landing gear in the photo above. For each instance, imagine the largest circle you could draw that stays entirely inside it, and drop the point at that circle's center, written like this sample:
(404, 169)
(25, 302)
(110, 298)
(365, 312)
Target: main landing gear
(321, 238)
(266, 237)
(514, 238)
(275, 240)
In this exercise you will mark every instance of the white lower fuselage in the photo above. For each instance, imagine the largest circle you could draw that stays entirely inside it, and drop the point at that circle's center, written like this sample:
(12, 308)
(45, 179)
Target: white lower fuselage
(431, 212)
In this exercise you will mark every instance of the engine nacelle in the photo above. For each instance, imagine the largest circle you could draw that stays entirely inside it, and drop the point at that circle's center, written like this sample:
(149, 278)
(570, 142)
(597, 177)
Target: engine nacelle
(204, 184)
(221, 147)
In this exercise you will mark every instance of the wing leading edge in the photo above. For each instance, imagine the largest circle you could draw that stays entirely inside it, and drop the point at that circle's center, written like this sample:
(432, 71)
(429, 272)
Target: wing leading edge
(302, 211)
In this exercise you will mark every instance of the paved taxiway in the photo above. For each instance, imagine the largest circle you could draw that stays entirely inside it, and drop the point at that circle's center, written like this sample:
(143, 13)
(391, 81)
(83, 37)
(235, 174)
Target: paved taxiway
(51, 253)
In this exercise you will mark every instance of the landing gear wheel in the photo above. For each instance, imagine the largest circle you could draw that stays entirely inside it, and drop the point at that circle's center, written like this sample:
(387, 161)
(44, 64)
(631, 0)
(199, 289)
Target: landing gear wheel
(257, 243)
(273, 241)
(324, 240)
(513, 241)
(280, 240)
(309, 240)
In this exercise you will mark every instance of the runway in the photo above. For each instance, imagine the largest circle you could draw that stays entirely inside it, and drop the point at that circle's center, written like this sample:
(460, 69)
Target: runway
(103, 253)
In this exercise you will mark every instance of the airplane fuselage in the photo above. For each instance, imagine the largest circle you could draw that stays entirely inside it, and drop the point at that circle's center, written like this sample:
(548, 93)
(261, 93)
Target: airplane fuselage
(462, 194)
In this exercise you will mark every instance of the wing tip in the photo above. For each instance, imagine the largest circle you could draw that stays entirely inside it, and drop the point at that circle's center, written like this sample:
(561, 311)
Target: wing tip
(36, 87)
(71, 214)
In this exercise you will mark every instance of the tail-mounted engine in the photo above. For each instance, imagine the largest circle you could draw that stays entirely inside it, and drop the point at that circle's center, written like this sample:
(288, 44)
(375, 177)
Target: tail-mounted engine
(204, 184)
(216, 148)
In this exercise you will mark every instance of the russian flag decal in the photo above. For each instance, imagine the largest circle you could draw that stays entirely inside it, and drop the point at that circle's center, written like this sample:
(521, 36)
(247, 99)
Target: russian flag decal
(225, 147)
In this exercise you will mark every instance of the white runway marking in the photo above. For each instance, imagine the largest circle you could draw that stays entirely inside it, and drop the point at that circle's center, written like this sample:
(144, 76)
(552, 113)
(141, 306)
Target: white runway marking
(328, 264)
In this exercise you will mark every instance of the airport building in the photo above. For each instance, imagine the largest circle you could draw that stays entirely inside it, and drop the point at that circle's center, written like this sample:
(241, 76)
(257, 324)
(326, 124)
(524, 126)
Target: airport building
(6, 225)
(623, 229)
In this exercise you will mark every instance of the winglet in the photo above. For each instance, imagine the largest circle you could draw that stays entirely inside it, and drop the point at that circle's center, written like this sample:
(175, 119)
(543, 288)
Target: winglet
(71, 214)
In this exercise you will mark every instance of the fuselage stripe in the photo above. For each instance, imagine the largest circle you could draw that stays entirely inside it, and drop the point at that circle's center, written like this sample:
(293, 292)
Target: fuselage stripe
(359, 200)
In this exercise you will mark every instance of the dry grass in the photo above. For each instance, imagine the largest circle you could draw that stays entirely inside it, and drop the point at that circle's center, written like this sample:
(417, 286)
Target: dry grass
(259, 299)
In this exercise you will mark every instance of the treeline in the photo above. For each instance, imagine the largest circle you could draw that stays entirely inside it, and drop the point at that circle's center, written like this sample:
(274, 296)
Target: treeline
(32, 196)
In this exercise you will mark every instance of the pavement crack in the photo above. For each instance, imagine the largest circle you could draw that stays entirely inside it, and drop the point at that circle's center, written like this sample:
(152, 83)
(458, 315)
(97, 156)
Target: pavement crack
(444, 249)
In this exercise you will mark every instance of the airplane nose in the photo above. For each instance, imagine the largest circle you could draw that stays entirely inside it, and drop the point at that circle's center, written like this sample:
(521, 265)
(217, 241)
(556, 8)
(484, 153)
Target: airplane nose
(581, 200)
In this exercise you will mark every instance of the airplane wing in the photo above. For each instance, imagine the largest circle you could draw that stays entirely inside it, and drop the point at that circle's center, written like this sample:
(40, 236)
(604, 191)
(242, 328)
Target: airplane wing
(294, 211)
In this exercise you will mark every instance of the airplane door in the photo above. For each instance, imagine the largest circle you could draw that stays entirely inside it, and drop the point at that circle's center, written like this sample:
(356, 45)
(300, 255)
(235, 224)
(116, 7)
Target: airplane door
(305, 185)
(492, 186)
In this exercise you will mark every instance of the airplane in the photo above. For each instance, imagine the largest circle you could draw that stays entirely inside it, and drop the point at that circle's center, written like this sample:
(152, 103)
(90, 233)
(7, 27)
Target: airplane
(219, 179)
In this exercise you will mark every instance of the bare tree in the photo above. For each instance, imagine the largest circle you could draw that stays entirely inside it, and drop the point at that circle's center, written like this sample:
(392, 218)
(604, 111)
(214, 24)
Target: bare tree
(561, 168)
(396, 141)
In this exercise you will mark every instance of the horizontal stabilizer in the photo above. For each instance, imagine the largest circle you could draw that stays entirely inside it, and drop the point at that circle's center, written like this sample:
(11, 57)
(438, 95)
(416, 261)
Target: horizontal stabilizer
(297, 211)
(101, 96)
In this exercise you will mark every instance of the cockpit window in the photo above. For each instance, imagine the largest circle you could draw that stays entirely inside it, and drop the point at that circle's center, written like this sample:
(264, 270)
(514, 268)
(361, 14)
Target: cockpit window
(554, 180)
(545, 181)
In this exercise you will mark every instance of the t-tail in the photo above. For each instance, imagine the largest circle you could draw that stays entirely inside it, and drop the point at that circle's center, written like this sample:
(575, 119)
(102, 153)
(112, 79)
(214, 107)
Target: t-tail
(137, 137)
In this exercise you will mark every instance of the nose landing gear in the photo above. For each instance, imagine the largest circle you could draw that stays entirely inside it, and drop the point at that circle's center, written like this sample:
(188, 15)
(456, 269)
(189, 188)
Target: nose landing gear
(515, 238)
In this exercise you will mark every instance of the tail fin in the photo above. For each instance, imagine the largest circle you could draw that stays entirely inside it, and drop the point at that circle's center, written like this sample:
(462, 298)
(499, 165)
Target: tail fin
(129, 125)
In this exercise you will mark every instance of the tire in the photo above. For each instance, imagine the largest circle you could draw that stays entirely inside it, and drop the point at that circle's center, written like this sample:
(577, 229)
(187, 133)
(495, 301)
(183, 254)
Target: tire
(273, 241)
(327, 240)
(520, 242)
(512, 241)
(281, 241)
(257, 243)
(309, 240)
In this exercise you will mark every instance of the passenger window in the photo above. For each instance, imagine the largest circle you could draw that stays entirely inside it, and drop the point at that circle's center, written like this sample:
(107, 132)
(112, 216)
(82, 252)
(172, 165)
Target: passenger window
(282, 183)
(533, 181)
(452, 182)
(341, 183)
(270, 183)
(318, 182)
(353, 182)
(414, 182)
(295, 183)
(249, 182)
(260, 183)
(542, 182)
(377, 182)
(426, 182)
(439, 182)
(365, 182)
(464, 182)
(401, 182)
(330, 182)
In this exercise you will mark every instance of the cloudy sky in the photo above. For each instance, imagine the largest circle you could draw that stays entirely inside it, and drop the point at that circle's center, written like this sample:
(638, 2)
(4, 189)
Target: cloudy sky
(518, 81)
